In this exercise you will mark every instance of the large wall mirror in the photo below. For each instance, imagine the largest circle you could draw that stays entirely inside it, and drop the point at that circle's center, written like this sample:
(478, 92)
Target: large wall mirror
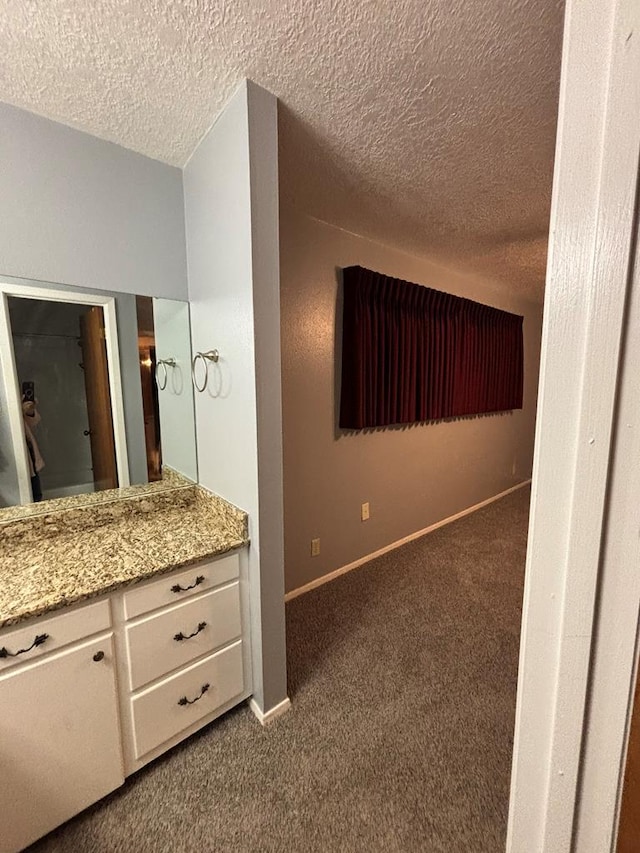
(95, 392)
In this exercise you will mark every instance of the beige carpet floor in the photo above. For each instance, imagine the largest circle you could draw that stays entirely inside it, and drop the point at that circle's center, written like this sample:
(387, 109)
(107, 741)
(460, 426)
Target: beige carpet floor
(403, 681)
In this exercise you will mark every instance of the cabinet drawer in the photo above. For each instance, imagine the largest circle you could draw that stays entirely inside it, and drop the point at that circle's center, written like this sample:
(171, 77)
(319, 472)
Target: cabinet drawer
(177, 635)
(175, 586)
(162, 711)
(37, 637)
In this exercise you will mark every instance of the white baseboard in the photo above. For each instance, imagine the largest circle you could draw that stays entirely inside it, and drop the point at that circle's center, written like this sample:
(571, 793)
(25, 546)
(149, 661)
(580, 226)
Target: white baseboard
(273, 713)
(314, 584)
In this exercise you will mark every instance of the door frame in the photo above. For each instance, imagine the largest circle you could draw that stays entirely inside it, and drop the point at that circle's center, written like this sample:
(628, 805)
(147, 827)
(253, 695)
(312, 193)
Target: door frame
(589, 282)
(10, 374)
(614, 659)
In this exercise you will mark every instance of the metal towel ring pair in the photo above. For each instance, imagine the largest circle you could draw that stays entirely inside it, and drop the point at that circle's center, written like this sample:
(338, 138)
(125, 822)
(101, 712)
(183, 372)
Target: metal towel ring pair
(162, 363)
(207, 357)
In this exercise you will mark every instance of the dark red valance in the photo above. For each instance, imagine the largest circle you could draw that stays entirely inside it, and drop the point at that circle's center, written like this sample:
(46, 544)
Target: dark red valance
(411, 354)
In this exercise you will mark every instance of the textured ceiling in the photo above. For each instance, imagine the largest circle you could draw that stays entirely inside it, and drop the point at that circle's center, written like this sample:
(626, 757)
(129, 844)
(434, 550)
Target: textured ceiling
(426, 125)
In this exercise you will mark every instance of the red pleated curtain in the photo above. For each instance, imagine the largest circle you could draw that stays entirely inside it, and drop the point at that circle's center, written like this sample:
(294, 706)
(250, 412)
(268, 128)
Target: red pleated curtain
(412, 354)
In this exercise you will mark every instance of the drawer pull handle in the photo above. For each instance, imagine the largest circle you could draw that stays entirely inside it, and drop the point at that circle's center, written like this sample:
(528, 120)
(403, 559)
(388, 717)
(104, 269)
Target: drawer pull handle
(177, 588)
(39, 640)
(181, 636)
(185, 701)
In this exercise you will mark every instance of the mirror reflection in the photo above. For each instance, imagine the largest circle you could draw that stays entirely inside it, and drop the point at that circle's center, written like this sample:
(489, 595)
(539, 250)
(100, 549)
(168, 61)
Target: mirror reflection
(62, 371)
(95, 392)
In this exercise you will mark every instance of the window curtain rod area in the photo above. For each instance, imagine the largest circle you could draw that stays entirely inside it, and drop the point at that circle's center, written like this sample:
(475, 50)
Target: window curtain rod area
(412, 354)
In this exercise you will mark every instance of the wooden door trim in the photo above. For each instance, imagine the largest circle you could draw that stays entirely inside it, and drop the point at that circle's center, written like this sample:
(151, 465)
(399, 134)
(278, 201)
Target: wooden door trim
(108, 305)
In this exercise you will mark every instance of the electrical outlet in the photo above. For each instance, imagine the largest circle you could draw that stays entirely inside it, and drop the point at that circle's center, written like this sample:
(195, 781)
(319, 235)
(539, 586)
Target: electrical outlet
(364, 515)
(315, 547)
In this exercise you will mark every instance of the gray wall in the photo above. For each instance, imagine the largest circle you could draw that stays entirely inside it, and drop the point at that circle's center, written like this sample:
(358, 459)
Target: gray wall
(81, 211)
(231, 208)
(412, 477)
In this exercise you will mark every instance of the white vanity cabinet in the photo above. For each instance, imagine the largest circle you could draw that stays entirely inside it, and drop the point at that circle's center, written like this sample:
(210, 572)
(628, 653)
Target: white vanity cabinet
(60, 745)
(182, 655)
(96, 691)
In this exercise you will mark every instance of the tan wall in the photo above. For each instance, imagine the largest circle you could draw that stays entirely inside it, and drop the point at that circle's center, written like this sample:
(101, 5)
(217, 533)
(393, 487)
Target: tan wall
(411, 476)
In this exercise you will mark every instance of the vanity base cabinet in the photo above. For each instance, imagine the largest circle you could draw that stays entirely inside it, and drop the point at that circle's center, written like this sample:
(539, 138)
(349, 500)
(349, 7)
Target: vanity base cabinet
(92, 694)
(183, 654)
(60, 744)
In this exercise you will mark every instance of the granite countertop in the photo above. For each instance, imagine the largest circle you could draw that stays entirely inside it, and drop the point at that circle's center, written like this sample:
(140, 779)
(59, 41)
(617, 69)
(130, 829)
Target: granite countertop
(170, 480)
(63, 557)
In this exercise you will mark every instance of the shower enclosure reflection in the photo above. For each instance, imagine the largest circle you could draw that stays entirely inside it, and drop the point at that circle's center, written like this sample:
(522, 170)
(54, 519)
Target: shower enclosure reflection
(95, 392)
(63, 377)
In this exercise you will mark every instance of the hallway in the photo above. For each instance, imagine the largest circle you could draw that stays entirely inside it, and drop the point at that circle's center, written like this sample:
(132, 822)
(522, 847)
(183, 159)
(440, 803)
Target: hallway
(403, 682)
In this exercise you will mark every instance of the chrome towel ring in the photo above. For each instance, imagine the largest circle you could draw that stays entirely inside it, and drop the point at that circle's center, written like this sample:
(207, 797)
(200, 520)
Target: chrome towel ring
(162, 363)
(207, 357)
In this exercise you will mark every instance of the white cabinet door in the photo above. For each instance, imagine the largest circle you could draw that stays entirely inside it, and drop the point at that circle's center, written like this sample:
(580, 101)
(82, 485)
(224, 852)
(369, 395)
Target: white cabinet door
(60, 747)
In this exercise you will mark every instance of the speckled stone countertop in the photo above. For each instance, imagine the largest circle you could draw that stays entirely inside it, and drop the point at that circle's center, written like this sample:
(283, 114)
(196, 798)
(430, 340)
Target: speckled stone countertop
(170, 480)
(84, 552)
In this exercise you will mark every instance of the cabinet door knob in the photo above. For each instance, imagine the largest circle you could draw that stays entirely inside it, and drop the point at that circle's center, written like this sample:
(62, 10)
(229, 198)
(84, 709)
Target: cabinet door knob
(98, 656)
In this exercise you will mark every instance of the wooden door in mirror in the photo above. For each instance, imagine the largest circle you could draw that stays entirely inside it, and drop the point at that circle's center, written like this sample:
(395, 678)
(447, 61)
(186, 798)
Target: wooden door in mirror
(629, 831)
